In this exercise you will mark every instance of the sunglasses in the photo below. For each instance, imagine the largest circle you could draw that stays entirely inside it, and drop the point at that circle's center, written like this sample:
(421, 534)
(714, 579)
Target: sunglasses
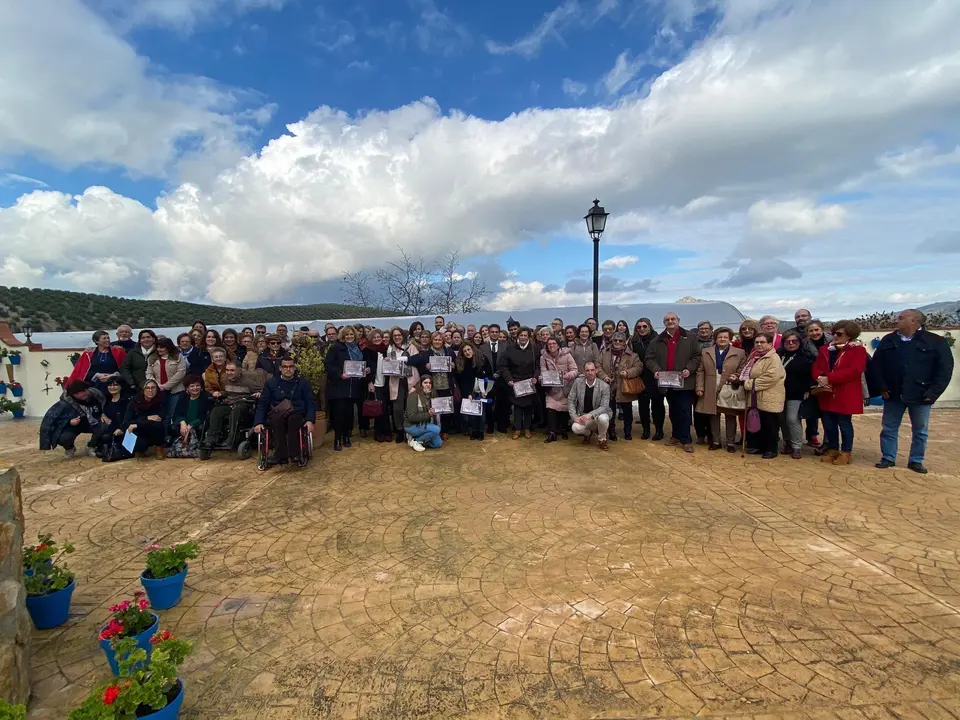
(839, 333)
(274, 342)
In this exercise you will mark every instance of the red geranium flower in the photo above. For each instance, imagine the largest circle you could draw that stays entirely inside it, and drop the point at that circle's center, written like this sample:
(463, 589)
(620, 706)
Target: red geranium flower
(110, 695)
(38, 548)
(161, 636)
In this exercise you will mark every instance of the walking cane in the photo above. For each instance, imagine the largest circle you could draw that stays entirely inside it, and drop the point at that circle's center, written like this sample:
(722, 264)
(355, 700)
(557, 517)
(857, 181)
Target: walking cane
(743, 440)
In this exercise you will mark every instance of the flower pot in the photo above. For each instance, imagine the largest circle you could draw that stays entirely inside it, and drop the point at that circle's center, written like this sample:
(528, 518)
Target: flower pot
(18, 414)
(143, 641)
(51, 610)
(165, 592)
(3, 388)
(14, 359)
(17, 391)
(171, 711)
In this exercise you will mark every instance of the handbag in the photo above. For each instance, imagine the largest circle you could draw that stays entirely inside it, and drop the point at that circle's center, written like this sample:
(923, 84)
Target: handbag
(372, 408)
(632, 386)
(753, 414)
(281, 410)
(819, 390)
(114, 451)
(731, 399)
(809, 409)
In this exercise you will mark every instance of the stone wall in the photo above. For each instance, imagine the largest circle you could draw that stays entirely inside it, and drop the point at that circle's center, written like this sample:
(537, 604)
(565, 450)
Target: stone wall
(15, 625)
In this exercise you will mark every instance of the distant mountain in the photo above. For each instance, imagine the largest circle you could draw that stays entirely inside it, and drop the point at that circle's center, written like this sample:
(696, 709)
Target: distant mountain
(60, 311)
(690, 299)
(948, 306)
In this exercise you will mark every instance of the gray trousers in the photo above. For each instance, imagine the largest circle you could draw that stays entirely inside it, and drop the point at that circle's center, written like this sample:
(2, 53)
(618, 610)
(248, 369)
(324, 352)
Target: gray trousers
(790, 424)
(598, 425)
(730, 425)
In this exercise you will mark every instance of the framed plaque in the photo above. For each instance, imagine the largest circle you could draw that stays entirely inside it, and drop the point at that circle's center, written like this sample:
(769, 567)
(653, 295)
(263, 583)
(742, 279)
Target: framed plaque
(354, 368)
(522, 388)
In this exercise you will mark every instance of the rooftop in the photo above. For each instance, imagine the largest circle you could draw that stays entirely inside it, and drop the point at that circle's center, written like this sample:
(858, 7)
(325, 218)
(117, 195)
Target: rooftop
(522, 580)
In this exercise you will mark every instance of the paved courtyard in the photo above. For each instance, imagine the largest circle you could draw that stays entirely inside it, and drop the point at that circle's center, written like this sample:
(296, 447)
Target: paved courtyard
(521, 580)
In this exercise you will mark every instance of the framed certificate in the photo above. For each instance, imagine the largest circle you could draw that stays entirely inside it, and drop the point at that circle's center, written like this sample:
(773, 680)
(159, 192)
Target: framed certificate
(440, 363)
(551, 378)
(442, 405)
(354, 368)
(523, 387)
(670, 379)
(392, 367)
(471, 407)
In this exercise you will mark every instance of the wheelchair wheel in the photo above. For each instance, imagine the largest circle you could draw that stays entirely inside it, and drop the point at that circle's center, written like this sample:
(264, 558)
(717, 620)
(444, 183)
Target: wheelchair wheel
(244, 451)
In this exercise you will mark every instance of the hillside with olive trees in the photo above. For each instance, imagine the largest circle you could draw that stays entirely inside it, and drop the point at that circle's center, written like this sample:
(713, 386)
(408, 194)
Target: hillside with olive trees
(61, 310)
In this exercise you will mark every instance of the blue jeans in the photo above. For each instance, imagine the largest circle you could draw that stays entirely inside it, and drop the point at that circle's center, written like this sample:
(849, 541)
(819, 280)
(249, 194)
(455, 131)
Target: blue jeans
(838, 431)
(919, 422)
(428, 434)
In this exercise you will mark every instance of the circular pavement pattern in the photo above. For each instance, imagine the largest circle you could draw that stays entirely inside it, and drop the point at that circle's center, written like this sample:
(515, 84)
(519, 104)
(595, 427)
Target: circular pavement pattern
(513, 579)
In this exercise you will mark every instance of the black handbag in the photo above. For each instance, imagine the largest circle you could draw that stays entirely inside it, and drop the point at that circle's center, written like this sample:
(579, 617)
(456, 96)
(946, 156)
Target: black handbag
(809, 408)
(114, 451)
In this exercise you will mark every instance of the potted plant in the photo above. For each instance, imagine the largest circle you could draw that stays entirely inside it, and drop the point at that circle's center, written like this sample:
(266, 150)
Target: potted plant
(131, 619)
(14, 357)
(16, 407)
(16, 389)
(166, 572)
(49, 583)
(12, 712)
(3, 388)
(148, 686)
(3, 354)
(74, 358)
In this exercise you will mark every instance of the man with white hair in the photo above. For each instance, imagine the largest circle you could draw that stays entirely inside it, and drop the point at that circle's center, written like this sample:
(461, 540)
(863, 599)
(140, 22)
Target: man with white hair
(675, 351)
(125, 338)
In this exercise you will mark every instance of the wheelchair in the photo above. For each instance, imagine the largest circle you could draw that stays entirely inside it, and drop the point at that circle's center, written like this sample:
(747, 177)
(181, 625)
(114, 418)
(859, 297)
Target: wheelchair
(239, 433)
(264, 446)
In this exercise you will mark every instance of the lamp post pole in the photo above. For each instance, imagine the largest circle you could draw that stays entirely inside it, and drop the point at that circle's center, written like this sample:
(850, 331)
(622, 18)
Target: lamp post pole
(596, 219)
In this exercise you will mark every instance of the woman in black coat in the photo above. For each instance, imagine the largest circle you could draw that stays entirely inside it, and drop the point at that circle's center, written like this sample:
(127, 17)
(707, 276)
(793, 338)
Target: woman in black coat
(471, 367)
(796, 364)
(650, 401)
(344, 393)
(443, 382)
(373, 350)
(521, 362)
(145, 419)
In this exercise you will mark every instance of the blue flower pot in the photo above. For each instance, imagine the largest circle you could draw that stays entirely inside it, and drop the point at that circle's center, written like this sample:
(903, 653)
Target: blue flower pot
(14, 359)
(17, 391)
(143, 641)
(172, 709)
(165, 592)
(50, 611)
(18, 414)
(3, 388)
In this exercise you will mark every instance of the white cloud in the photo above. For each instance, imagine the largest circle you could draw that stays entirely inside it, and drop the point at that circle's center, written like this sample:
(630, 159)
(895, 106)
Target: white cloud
(15, 179)
(438, 32)
(622, 72)
(573, 88)
(181, 15)
(797, 216)
(113, 108)
(618, 261)
(787, 106)
(551, 26)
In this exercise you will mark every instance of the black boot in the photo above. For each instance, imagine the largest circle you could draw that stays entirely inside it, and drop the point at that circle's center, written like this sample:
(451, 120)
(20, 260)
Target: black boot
(646, 433)
(658, 435)
(612, 434)
(551, 437)
(400, 438)
(563, 435)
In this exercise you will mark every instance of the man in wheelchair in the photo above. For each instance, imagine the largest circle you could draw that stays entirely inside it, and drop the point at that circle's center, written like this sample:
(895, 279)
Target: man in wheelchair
(287, 405)
(234, 409)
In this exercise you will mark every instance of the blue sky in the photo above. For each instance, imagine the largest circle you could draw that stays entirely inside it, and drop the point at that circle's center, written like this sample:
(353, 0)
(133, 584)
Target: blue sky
(250, 151)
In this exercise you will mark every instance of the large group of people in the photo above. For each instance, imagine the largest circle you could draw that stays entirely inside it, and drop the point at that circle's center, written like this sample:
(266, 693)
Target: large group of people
(721, 387)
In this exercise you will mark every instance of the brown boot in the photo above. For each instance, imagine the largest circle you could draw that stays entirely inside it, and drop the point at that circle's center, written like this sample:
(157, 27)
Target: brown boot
(158, 451)
(602, 444)
(842, 459)
(516, 436)
(829, 456)
(527, 434)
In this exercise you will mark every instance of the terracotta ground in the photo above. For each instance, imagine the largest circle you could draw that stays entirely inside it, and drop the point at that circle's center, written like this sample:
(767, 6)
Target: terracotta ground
(522, 580)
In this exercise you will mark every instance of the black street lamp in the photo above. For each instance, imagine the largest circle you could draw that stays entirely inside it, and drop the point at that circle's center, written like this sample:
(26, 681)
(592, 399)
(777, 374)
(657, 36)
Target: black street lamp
(596, 220)
(27, 330)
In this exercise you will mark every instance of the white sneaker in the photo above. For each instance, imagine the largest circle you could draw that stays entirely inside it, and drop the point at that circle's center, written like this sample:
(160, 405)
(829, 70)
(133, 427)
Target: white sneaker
(418, 446)
(69, 452)
(410, 440)
(91, 452)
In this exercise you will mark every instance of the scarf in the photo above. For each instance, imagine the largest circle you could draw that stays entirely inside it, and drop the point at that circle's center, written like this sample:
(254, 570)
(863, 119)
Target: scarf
(719, 356)
(377, 347)
(751, 361)
(354, 351)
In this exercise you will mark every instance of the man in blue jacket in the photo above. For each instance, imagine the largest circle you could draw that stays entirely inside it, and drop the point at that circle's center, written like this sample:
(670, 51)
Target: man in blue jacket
(910, 369)
(286, 420)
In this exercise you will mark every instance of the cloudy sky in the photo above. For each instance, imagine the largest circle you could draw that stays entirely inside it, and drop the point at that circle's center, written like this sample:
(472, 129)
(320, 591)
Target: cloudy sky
(772, 153)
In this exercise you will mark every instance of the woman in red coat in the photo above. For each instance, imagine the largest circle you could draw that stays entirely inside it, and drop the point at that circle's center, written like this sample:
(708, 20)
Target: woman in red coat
(838, 370)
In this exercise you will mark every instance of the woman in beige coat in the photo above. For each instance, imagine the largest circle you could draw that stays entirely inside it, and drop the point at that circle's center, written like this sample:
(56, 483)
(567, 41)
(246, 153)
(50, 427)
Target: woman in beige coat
(167, 369)
(765, 382)
(618, 363)
(720, 364)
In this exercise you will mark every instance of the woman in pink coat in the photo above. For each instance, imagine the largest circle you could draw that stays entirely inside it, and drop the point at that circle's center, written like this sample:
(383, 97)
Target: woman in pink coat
(554, 358)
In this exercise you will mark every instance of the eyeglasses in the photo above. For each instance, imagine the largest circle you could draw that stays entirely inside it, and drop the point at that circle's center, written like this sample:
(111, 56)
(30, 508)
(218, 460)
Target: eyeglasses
(839, 333)
(618, 342)
(273, 342)
(792, 341)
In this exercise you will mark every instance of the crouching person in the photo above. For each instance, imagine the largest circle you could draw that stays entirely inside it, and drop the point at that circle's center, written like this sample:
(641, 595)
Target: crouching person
(190, 413)
(77, 412)
(145, 419)
(287, 404)
(589, 406)
(420, 422)
(234, 408)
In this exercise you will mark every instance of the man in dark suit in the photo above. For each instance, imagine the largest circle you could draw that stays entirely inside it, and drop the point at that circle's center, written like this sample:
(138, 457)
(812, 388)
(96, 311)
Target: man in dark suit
(494, 350)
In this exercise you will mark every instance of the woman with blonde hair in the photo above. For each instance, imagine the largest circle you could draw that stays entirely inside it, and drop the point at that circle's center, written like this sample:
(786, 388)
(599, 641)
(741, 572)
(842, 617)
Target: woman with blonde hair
(763, 377)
